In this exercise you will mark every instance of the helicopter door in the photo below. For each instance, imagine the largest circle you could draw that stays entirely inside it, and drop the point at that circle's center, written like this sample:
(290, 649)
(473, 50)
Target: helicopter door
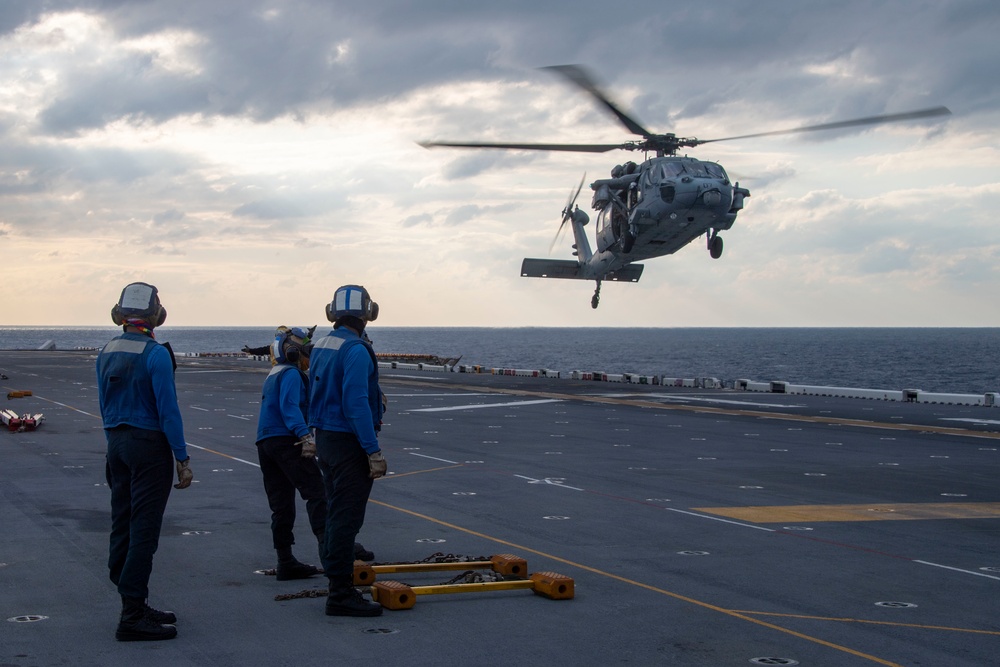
(606, 236)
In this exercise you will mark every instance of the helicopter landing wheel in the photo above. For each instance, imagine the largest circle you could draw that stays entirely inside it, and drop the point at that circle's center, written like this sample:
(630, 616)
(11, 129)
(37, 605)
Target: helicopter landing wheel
(627, 241)
(715, 247)
(596, 299)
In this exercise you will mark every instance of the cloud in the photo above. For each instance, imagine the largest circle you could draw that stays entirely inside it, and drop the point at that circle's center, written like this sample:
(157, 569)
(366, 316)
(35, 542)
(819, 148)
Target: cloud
(245, 138)
(421, 219)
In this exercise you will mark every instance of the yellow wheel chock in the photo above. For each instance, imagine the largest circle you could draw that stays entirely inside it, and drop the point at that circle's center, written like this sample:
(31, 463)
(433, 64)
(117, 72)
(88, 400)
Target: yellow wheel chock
(18, 394)
(507, 565)
(396, 595)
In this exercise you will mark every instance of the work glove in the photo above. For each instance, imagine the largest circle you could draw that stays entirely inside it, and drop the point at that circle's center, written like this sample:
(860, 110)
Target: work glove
(184, 474)
(308, 443)
(376, 465)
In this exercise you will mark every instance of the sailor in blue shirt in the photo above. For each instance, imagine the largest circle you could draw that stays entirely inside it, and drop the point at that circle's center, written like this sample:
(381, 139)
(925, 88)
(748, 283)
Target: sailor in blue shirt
(286, 450)
(145, 433)
(345, 409)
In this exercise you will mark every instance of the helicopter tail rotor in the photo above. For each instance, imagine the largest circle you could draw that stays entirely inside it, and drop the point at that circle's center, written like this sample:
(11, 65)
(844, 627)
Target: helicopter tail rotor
(568, 213)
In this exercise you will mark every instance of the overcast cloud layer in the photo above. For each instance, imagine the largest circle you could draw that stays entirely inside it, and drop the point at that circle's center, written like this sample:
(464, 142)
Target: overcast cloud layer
(248, 157)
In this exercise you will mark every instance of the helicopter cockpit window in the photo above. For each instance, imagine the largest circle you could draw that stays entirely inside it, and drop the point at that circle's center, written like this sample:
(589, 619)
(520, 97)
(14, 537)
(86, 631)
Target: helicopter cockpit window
(672, 169)
(715, 171)
(664, 171)
(697, 169)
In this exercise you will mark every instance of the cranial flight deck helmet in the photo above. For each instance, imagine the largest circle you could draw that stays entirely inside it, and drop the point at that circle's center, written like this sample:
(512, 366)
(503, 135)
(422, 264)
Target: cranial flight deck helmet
(352, 301)
(139, 301)
(291, 346)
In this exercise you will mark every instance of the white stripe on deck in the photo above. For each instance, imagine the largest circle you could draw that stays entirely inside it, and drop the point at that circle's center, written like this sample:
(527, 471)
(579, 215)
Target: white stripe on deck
(488, 405)
(674, 398)
(970, 420)
(454, 393)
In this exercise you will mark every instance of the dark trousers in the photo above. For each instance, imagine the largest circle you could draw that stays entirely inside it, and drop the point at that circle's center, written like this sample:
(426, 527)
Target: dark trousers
(140, 470)
(345, 475)
(285, 472)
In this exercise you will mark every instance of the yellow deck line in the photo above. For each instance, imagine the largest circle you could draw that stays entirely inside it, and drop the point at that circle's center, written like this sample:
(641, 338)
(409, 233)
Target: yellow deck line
(677, 596)
(916, 626)
(867, 512)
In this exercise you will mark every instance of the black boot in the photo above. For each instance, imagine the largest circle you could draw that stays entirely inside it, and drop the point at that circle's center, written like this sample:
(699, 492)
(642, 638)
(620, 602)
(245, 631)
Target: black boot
(360, 553)
(157, 616)
(345, 600)
(290, 568)
(135, 626)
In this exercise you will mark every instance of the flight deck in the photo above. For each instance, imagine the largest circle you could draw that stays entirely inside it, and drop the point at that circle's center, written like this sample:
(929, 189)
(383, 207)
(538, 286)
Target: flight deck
(708, 527)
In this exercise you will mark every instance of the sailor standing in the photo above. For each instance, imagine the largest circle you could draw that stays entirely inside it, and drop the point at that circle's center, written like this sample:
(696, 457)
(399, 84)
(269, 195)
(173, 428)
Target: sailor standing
(345, 409)
(142, 422)
(286, 450)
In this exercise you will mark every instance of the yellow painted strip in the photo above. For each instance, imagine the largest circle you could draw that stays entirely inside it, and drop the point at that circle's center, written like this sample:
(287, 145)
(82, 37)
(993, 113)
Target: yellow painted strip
(872, 512)
(916, 626)
(639, 584)
(477, 587)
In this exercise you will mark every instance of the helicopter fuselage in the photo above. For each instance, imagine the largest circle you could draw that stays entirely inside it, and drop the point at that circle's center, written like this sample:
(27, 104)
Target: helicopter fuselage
(657, 208)
(646, 210)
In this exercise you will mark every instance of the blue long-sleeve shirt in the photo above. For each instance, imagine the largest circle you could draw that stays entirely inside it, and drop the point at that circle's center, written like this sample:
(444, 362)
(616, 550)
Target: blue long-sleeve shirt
(135, 386)
(284, 403)
(344, 394)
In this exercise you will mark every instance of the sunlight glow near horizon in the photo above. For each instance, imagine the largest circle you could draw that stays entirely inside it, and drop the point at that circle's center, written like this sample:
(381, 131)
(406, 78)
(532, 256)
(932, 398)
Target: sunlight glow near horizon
(247, 217)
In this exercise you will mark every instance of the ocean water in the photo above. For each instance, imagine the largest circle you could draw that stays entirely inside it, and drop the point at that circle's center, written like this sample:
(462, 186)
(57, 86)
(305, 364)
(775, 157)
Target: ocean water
(953, 360)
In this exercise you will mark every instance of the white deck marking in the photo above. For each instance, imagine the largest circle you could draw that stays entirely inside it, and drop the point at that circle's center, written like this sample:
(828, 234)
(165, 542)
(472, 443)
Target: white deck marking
(206, 449)
(674, 398)
(435, 395)
(553, 481)
(70, 407)
(412, 377)
(433, 458)
(488, 405)
(969, 419)
(715, 518)
(246, 419)
(957, 569)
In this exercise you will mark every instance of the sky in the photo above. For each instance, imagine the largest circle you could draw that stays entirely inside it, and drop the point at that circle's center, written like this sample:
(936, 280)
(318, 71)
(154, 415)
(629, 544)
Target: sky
(247, 157)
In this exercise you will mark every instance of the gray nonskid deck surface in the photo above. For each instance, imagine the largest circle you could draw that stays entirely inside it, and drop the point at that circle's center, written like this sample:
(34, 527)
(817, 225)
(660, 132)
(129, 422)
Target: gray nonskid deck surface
(626, 489)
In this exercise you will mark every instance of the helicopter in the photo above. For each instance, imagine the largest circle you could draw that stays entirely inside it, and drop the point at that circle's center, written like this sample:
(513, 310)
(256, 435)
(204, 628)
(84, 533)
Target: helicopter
(653, 208)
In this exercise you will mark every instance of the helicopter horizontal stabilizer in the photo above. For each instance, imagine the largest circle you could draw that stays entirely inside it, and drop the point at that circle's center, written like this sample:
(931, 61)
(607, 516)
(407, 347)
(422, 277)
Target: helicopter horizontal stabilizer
(567, 268)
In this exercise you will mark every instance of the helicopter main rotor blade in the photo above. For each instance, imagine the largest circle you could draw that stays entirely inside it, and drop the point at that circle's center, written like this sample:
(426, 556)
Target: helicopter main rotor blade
(573, 148)
(870, 120)
(578, 75)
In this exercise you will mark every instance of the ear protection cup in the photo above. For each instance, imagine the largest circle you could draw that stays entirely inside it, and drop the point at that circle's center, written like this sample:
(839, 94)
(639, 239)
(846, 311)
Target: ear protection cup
(288, 345)
(139, 300)
(160, 316)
